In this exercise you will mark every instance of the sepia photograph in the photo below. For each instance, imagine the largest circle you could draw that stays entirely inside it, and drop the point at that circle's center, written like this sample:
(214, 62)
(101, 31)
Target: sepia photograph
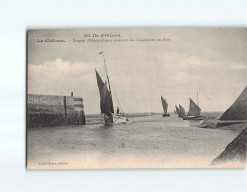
(134, 98)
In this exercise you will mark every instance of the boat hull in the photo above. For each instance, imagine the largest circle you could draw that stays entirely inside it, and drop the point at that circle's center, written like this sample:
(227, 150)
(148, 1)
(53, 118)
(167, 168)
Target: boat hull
(195, 118)
(108, 120)
(115, 119)
(118, 119)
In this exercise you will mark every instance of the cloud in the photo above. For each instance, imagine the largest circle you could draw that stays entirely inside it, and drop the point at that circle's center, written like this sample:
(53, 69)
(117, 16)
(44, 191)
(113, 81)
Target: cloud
(173, 60)
(139, 83)
(206, 61)
(59, 70)
(238, 66)
(58, 76)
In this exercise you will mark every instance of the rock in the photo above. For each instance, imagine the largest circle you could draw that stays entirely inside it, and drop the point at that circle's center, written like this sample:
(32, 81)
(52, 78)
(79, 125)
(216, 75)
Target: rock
(235, 151)
(238, 110)
(209, 123)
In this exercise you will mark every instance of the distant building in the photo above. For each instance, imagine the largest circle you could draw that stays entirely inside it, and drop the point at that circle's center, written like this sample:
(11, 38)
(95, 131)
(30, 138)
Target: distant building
(50, 110)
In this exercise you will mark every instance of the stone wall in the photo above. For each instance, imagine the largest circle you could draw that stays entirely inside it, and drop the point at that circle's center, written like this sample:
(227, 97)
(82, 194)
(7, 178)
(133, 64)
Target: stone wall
(49, 110)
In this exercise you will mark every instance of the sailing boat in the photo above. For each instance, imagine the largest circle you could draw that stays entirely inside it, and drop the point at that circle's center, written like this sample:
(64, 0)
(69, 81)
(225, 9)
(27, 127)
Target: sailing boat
(182, 111)
(179, 111)
(165, 106)
(194, 112)
(106, 102)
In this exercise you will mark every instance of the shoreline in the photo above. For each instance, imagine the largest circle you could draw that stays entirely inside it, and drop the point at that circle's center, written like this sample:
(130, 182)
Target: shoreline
(215, 124)
(235, 151)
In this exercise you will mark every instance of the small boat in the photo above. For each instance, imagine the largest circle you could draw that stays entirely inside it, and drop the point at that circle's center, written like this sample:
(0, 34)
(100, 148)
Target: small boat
(106, 102)
(194, 118)
(194, 112)
(180, 112)
(165, 106)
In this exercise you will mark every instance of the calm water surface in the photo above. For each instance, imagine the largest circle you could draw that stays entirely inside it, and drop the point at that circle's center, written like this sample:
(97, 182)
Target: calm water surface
(151, 141)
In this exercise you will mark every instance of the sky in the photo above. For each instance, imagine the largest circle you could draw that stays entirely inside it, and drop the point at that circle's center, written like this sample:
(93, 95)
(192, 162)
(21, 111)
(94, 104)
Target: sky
(207, 61)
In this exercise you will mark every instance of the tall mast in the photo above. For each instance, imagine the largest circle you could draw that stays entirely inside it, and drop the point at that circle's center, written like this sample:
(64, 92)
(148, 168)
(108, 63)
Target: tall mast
(106, 72)
(197, 100)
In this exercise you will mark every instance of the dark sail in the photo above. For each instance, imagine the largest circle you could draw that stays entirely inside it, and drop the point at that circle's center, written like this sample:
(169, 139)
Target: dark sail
(182, 110)
(178, 111)
(105, 101)
(100, 86)
(111, 104)
(105, 97)
(194, 110)
(164, 104)
(238, 110)
(100, 82)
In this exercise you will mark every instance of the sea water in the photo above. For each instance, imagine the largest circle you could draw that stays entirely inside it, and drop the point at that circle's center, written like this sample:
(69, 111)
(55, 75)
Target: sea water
(143, 142)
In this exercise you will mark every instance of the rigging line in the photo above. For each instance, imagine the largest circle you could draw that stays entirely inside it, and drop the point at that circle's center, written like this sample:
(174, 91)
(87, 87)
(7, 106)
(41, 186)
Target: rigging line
(116, 119)
(106, 72)
(117, 99)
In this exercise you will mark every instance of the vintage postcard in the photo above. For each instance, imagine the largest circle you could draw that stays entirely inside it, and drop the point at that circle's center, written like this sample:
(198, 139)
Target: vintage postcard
(120, 98)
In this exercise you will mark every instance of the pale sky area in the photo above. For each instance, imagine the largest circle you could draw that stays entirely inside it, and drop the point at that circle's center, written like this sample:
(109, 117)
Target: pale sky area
(210, 61)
